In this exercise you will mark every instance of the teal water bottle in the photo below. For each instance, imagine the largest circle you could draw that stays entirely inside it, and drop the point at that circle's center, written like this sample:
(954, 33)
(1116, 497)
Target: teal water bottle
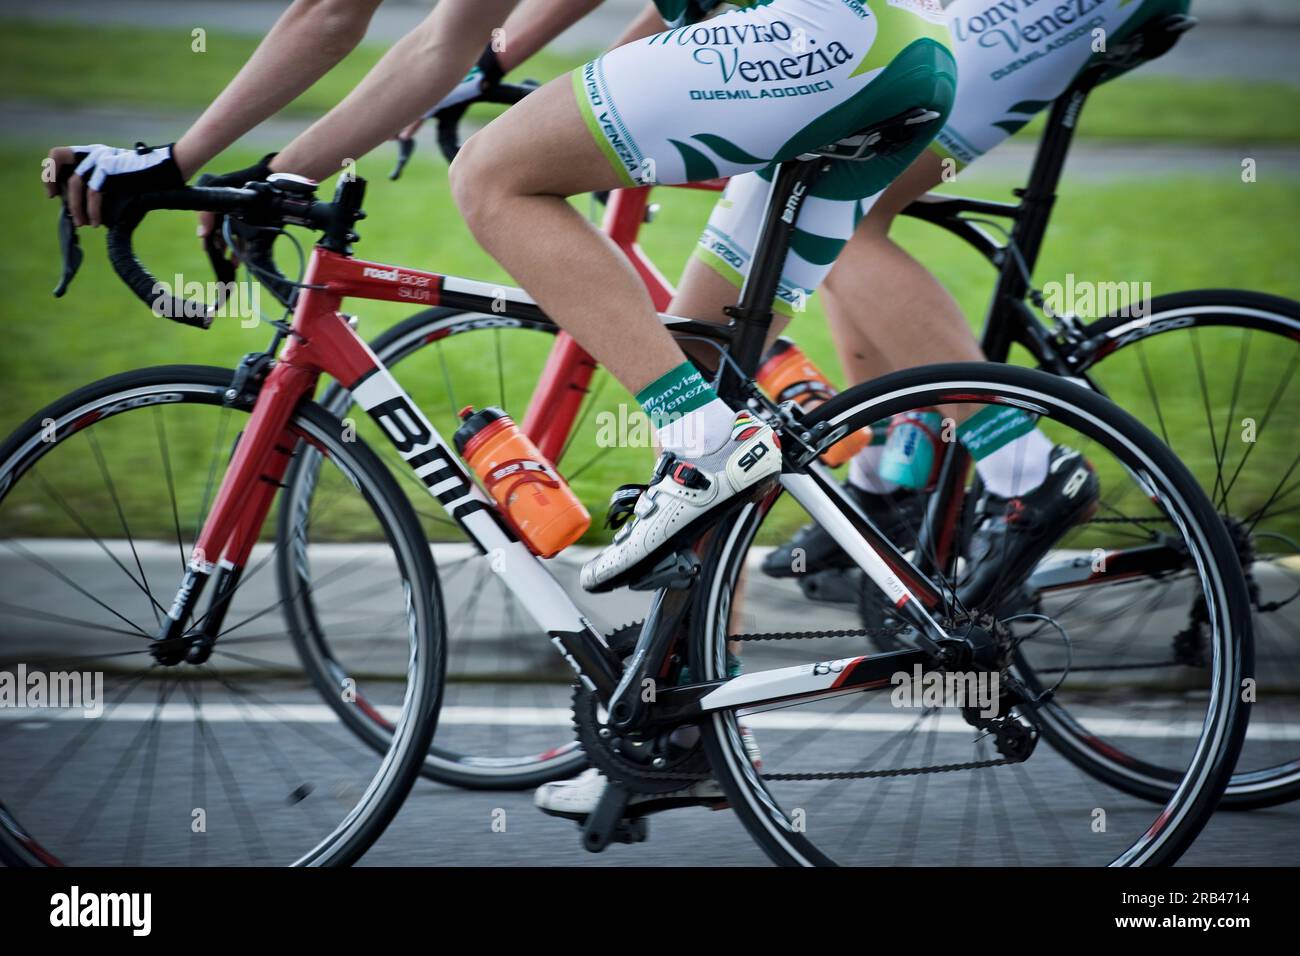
(911, 454)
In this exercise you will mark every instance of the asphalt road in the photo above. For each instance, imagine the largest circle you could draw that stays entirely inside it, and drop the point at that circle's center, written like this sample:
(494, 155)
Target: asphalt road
(278, 783)
(272, 769)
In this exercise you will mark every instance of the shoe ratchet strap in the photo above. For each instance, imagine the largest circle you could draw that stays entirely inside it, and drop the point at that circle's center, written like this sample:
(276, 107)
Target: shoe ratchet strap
(688, 476)
(621, 505)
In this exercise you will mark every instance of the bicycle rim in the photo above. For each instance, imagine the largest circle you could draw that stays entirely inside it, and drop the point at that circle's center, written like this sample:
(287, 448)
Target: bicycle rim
(1213, 373)
(885, 820)
(232, 761)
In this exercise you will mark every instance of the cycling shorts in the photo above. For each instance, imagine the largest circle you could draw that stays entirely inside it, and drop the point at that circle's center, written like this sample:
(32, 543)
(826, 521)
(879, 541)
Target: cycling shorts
(1015, 56)
(764, 84)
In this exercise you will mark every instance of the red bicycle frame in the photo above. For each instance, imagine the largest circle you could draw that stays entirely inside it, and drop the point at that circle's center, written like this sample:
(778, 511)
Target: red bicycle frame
(323, 342)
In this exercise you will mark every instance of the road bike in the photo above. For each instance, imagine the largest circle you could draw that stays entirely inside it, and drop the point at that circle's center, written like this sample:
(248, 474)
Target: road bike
(1212, 363)
(280, 758)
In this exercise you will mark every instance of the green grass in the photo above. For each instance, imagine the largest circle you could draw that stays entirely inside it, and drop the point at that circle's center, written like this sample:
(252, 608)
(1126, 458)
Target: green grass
(120, 66)
(1177, 109)
(1176, 234)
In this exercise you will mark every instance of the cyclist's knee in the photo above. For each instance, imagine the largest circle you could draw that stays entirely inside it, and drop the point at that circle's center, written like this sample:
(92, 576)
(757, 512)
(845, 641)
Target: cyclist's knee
(476, 185)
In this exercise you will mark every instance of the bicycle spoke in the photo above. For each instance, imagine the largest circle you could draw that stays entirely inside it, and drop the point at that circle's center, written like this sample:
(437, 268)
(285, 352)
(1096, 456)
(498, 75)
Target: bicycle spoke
(102, 462)
(244, 820)
(164, 449)
(72, 513)
(215, 459)
(46, 566)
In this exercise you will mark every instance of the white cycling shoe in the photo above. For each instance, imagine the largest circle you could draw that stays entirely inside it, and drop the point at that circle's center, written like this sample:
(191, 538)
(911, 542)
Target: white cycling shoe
(577, 798)
(681, 492)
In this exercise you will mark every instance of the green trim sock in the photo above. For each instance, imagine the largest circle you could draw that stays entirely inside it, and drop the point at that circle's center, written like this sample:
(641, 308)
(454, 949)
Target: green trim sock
(689, 418)
(1011, 454)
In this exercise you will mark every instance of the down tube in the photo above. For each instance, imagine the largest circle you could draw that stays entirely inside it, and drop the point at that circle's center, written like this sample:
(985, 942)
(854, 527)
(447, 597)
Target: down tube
(441, 472)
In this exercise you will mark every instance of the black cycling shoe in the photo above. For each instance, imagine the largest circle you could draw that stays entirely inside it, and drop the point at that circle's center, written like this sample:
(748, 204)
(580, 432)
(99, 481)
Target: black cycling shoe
(897, 515)
(1013, 534)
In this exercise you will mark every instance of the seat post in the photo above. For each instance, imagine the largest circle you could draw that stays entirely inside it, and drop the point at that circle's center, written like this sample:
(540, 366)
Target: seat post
(752, 316)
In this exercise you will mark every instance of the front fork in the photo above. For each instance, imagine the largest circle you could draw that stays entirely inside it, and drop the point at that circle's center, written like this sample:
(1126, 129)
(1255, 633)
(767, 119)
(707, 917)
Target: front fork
(256, 472)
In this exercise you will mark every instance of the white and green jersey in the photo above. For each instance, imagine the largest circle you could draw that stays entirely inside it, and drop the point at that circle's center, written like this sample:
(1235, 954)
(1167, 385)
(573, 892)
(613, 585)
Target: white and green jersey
(1015, 56)
(762, 84)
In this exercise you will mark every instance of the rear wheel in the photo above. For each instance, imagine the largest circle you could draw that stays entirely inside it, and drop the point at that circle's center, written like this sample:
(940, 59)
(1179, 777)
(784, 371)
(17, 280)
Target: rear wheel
(886, 776)
(1215, 373)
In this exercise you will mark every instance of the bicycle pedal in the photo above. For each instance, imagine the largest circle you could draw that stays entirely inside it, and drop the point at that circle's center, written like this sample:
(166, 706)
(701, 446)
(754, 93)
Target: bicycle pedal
(832, 586)
(607, 823)
(676, 571)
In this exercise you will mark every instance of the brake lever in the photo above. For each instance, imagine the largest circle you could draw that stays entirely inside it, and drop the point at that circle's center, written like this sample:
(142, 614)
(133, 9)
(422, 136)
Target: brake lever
(405, 147)
(224, 266)
(69, 246)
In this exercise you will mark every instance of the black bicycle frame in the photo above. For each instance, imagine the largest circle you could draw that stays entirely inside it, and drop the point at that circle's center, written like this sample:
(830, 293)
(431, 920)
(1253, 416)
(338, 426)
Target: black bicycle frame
(1008, 320)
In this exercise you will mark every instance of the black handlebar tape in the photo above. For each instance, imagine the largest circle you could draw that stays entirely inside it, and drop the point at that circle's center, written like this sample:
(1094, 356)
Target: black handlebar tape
(139, 279)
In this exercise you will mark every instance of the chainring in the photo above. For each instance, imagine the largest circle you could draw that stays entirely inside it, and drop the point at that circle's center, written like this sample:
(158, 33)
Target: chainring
(627, 761)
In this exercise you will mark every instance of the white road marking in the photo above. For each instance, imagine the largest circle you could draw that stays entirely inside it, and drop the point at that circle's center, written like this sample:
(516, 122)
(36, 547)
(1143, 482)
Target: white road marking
(473, 716)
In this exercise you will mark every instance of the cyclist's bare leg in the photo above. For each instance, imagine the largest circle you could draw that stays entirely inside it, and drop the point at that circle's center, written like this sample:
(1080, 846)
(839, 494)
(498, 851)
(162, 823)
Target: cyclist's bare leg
(886, 310)
(510, 182)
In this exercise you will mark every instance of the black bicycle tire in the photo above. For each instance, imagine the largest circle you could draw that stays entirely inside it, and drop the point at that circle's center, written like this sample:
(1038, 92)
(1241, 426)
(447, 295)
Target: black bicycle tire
(761, 816)
(426, 599)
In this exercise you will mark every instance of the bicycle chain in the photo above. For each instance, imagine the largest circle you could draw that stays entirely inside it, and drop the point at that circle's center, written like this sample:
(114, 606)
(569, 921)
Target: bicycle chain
(901, 772)
(830, 632)
(837, 774)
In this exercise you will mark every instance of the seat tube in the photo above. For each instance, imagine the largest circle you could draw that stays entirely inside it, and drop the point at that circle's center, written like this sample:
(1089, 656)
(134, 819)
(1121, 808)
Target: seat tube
(753, 315)
(553, 409)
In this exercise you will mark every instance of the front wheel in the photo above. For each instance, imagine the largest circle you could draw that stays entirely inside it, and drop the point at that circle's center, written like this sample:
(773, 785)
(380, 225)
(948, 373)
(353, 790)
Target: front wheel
(910, 774)
(233, 760)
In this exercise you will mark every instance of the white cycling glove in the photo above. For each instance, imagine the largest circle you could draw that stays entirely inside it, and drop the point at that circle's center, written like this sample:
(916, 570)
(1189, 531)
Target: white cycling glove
(128, 171)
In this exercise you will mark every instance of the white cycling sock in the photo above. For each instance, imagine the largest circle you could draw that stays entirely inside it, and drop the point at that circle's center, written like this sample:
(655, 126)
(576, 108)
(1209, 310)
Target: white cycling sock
(1017, 467)
(864, 472)
(698, 432)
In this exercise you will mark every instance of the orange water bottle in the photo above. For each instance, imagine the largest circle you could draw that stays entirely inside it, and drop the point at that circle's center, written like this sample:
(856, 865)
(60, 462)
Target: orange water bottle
(535, 501)
(787, 374)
